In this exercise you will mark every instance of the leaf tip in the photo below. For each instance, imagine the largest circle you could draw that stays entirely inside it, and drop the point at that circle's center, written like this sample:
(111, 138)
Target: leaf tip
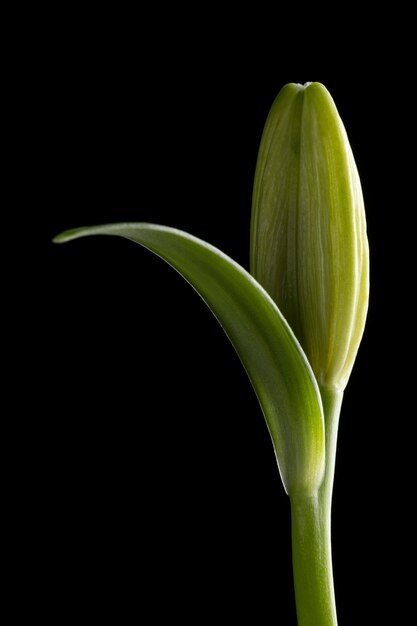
(67, 235)
(59, 238)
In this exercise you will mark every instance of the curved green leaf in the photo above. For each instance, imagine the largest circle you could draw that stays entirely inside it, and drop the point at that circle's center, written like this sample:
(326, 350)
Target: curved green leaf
(275, 363)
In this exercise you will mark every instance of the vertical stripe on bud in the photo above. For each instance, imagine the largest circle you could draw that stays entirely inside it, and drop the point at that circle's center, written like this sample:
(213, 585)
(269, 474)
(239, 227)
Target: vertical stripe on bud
(309, 246)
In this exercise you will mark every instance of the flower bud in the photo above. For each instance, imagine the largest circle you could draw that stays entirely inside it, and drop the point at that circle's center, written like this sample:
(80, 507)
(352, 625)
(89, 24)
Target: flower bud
(309, 247)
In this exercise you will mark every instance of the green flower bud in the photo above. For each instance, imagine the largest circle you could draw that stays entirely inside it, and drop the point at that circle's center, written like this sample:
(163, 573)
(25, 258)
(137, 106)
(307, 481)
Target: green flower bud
(309, 247)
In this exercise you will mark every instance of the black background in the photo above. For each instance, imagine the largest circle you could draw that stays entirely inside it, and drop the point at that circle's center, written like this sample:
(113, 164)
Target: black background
(150, 482)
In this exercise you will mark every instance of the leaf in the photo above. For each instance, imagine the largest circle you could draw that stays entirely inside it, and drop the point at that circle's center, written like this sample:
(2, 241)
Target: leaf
(274, 361)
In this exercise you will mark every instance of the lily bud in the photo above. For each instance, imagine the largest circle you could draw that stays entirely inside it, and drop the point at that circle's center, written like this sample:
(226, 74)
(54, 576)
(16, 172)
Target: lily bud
(309, 247)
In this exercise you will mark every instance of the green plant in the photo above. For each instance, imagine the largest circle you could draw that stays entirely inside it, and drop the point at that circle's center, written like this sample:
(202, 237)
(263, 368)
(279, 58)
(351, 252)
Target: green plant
(297, 319)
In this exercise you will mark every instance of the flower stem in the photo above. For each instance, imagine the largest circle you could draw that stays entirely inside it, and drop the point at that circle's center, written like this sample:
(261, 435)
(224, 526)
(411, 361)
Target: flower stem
(311, 534)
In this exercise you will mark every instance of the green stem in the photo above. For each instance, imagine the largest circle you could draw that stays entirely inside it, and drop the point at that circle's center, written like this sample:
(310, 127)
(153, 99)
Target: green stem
(311, 534)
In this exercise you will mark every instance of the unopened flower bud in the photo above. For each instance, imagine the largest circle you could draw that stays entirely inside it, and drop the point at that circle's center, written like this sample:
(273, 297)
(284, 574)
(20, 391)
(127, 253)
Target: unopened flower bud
(309, 247)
